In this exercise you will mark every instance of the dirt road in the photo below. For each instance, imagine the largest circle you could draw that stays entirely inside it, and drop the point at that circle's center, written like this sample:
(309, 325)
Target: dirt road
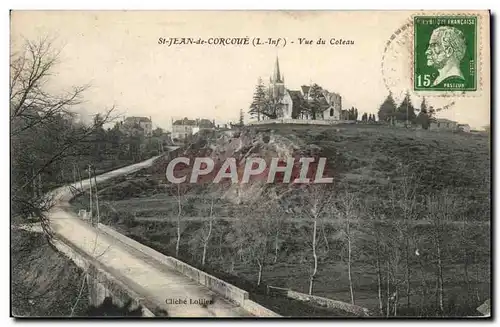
(158, 283)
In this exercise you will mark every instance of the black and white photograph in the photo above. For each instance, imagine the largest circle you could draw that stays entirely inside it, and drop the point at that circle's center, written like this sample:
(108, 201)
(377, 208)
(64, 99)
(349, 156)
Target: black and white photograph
(250, 164)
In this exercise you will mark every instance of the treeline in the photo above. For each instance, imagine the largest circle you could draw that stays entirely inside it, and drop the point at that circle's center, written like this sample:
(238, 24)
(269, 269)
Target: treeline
(391, 113)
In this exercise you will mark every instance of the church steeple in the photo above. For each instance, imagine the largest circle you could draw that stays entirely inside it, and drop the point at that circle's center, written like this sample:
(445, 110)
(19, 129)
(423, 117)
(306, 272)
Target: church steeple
(277, 78)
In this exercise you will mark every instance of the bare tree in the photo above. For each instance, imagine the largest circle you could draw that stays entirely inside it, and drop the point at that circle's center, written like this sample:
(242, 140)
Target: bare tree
(277, 213)
(251, 235)
(179, 198)
(407, 203)
(43, 131)
(346, 207)
(206, 237)
(441, 208)
(315, 201)
(374, 229)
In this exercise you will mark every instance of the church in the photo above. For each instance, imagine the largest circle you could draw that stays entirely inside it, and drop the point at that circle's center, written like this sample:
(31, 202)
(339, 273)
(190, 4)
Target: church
(292, 101)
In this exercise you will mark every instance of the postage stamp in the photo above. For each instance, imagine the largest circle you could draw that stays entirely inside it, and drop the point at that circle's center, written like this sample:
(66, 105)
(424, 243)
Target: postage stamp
(445, 53)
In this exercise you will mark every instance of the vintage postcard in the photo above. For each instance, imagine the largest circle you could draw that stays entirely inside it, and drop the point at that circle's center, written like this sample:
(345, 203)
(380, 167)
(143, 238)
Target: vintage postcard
(251, 164)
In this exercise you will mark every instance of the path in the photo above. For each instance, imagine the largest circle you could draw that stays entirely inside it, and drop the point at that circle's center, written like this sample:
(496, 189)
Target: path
(144, 276)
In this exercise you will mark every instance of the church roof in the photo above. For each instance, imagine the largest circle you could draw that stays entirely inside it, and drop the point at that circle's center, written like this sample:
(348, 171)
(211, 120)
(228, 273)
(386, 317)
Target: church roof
(305, 89)
(297, 101)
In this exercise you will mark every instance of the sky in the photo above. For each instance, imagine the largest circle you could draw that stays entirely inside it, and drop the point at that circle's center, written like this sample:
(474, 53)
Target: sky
(118, 54)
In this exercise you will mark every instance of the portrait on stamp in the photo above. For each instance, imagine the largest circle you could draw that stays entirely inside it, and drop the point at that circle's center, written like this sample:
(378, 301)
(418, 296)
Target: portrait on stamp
(445, 53)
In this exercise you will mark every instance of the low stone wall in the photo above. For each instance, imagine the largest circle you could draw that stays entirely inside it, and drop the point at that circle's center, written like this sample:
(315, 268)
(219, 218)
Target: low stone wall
(229, 291)
(258, 310)
(302, 122)
(215, 284)
(101, 281)
(329, 303)
(160, 257)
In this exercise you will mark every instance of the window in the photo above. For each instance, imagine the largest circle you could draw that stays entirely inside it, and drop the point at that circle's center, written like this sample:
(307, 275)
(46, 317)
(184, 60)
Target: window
(331, 112)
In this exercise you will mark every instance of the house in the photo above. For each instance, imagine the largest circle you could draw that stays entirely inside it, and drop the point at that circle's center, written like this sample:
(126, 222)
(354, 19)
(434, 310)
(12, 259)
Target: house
(464, 128)
(443, 125)
(183, 128)
(137, 126)
(292, 102)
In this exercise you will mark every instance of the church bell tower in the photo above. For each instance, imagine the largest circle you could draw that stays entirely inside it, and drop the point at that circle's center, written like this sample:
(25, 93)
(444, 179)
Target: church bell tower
(277, 82)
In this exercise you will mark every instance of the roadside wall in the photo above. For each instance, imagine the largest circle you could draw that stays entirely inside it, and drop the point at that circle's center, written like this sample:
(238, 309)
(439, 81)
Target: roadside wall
(101, 282)
(229, 291)
(320, 301)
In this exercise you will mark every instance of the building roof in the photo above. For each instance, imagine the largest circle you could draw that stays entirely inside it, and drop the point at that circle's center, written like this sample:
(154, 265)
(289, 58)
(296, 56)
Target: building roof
(305, 89)
(205, 123)
(297, 101)
(296, 96)
(185, 121)
(202, 123)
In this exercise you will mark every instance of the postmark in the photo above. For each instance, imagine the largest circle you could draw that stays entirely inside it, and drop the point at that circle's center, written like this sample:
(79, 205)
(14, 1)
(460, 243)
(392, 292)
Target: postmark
(445, 53)
(397, 69)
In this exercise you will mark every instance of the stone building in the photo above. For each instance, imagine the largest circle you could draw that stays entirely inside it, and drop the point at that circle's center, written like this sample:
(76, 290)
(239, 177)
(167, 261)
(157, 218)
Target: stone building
(183, 128)
(292, 101)
(443, 124)
(137, 126)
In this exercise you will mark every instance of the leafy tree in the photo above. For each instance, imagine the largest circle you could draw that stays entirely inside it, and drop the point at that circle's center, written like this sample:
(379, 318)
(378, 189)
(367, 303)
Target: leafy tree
(259, 100)
(272, 106)
(314, 104)
(242, 121)
(387, 109)
(406, 111)
(364, 117)
(423, 118)
(158, 132)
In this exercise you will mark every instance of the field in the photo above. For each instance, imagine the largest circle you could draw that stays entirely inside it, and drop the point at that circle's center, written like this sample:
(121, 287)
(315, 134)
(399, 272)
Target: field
(419, 219)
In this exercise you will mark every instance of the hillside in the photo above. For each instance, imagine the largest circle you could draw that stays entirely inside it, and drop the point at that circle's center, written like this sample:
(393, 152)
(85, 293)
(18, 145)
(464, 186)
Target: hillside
(406, 208)
(44, 281)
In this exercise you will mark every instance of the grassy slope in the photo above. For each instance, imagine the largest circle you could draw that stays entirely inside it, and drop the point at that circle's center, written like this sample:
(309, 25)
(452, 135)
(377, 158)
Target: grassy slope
(367, 159)
(44, 282)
